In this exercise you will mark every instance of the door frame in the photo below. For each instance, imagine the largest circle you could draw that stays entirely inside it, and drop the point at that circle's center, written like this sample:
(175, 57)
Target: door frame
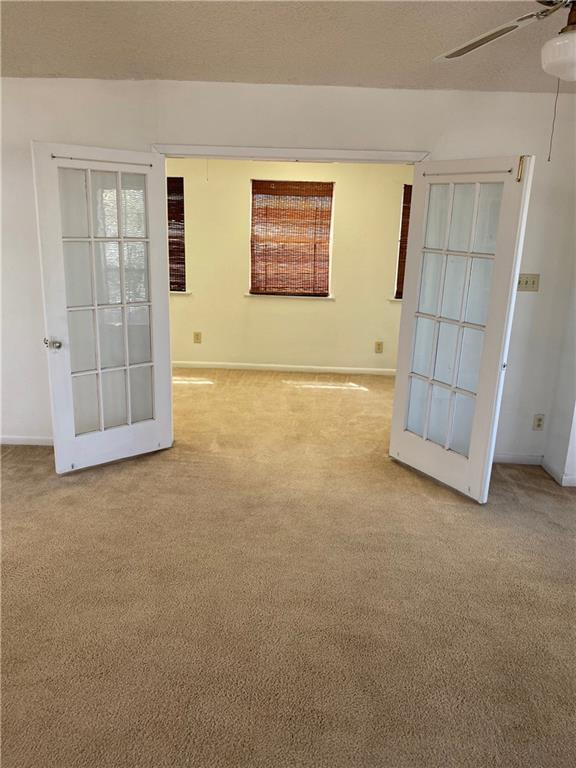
(292, 154)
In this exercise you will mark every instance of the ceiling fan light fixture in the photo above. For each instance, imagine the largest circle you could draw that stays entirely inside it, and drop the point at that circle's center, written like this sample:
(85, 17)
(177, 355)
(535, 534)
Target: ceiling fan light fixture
(559, 55)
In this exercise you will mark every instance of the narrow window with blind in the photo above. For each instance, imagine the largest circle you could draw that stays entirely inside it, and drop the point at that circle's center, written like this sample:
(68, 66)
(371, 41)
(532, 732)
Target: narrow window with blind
(403, 245)
(176, 247)
(290, 243)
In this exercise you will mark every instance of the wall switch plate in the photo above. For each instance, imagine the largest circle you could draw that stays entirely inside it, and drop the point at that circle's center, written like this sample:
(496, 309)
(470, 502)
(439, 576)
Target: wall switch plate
(378, 347)
(528, 282)
(197, 337)
(538, 422)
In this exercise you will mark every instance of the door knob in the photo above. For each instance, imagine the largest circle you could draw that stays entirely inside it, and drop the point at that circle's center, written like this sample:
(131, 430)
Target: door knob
(52, 343)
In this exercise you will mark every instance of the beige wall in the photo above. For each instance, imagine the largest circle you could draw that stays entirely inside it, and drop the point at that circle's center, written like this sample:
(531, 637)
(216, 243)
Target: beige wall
(338, 332)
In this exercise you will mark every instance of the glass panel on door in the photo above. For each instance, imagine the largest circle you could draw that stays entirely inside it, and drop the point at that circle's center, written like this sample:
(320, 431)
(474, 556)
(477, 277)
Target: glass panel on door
(73, 202)
(105, 203)
(455, 283)
(86, 405)
(105, 247)
(108, 288)
(134, 205)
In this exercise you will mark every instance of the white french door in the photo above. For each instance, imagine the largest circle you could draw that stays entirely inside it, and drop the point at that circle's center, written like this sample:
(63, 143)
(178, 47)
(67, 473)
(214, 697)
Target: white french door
(464, 248)
(103, 242)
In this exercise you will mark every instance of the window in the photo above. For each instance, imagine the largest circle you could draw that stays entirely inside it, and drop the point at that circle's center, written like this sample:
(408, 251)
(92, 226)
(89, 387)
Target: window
(290, 244)
(403, 245)
(176, 252)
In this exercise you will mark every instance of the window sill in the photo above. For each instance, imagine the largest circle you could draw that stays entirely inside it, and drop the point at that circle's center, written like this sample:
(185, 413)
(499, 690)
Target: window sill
(180, 293)
(279, 296)
(393, 300)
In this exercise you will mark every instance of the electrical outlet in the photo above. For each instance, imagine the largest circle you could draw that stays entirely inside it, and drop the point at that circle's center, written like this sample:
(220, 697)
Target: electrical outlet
(538, 422)
(528, 282)
(197, 337)
(378, 347)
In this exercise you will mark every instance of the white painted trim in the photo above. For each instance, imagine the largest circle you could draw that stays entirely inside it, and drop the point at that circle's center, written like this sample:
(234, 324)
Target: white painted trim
(277, 367)
(287, 296)
(561, 478)
(310, 155)
(518, 458)
(22, 440)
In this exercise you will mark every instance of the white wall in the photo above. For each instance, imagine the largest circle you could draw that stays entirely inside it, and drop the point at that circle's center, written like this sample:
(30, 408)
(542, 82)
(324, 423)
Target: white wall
(338, 332)
(560, 450)
(450, 124)
(569, 476)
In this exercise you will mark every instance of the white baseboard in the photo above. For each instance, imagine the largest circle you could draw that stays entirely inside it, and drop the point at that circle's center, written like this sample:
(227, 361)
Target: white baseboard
(287, 368)
(24, 440)
(518, 458)
(561, 478)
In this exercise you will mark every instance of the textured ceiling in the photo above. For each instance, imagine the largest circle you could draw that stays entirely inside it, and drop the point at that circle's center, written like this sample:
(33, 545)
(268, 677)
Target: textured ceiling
(367, 44)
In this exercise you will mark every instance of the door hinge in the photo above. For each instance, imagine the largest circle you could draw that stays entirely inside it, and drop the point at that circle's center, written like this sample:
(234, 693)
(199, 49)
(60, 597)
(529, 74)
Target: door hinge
(520, 171)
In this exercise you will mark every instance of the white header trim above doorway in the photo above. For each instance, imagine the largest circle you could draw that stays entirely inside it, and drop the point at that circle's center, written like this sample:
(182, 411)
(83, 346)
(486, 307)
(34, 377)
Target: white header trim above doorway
(293, 154)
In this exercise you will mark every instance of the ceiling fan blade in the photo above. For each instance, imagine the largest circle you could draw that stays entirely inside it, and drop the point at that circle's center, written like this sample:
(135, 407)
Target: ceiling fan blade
(488, 37)
(503, 29)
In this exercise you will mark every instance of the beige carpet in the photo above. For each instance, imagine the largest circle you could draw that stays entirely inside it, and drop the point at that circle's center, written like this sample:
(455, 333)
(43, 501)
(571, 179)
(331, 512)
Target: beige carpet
(274, 592)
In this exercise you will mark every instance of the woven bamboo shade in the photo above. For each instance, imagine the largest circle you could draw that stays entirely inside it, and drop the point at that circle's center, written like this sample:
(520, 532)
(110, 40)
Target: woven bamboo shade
(403, 247)
(290, 244)
(176, 246)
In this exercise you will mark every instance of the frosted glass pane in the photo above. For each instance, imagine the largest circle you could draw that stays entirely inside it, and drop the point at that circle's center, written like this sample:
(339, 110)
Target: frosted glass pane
(488, 217)
(423, 341)
(479, 291)
(136, 272)
(462, 425)
(108, 273)
(141, 393)
(417, 406)
(114, 398)
(437, 218)
(85, 396)
(469, 370)
(134, 204)
(104, 204)
(461, 221)
(73, 202)
(446, 353)
(82, 340)
(430, 284)
(78, 274)
(454, 279)
(111, 337)
(139, 334)
(439, 415)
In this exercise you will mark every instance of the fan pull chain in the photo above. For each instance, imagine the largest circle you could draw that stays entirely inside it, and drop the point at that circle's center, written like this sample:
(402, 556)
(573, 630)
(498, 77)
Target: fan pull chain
(553, 120)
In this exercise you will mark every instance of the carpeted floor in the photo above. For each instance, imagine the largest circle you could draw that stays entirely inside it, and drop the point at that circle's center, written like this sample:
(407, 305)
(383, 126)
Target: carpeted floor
(274, 592)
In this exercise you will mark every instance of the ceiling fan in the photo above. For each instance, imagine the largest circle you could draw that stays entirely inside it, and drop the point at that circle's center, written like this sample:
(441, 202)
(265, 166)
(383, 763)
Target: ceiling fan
(558, 54)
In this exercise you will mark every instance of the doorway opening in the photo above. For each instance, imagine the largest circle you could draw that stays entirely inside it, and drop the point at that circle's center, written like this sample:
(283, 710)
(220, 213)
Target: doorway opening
(288, 272)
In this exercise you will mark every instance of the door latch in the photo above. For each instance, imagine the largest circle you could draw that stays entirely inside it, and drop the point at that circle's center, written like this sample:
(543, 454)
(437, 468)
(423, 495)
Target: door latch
(52, 343)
